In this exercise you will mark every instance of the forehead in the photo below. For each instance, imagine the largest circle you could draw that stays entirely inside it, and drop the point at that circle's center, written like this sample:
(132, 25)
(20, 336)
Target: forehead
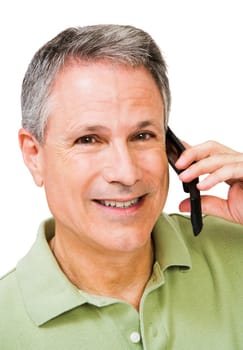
(88, 74)
(84, 89)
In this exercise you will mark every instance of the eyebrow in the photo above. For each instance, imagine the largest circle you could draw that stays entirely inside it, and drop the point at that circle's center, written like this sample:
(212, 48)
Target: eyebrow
(145, 123)
(148, 123)
(139, 125)
(93, 128)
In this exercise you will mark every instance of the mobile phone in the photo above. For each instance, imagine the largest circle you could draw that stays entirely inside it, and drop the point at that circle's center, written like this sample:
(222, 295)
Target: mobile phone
(174, 148)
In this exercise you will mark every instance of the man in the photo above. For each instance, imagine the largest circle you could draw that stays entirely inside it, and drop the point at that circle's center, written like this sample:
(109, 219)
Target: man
(109, 271)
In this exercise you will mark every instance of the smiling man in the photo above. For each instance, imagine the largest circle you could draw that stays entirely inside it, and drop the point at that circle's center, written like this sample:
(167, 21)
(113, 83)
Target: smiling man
(104, 155)
(110, 270)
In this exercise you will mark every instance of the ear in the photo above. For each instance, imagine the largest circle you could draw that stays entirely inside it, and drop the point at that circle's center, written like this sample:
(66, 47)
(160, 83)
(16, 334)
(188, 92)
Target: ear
(31, 152)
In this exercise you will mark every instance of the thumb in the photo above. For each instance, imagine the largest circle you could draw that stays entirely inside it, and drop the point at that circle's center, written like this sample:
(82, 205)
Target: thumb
(211, 205)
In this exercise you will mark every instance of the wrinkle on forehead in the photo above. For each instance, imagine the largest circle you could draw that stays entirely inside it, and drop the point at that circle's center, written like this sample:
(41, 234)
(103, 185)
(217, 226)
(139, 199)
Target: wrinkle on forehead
(90, 90)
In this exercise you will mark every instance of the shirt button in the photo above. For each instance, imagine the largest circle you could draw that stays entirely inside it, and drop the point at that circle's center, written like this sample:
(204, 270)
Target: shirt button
(135, 337)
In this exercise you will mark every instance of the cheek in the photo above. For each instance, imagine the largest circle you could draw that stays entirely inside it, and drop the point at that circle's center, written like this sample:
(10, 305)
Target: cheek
(158, 178)
(70, 166)
(156, 164)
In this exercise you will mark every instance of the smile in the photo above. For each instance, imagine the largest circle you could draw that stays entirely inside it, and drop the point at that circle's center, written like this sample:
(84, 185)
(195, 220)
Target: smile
(118, 204)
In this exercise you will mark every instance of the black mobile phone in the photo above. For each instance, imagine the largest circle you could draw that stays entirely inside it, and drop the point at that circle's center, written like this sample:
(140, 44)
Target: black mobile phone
(174, 148)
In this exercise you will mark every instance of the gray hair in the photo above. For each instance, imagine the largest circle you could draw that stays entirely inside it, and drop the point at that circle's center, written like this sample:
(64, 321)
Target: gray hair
(120, 44)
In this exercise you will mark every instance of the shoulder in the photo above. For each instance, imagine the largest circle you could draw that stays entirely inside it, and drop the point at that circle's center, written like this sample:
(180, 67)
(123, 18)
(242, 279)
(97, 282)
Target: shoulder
(8, 284)
(213, 227)
(218, 238)
(9, 292)
(10, 301)
(217, 235)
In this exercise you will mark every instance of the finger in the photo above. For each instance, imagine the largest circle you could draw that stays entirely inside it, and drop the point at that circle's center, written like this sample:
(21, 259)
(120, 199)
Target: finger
(201, 151)
(209, 165)
(211, 205)
(229, 173)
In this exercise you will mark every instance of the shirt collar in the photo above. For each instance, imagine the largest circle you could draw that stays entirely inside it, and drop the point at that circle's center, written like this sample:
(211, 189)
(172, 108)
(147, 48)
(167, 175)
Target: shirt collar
(170, 248)
(48, 293)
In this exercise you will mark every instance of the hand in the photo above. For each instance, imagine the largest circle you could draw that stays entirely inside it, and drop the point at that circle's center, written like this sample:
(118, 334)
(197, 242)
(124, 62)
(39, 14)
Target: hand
(221, 164)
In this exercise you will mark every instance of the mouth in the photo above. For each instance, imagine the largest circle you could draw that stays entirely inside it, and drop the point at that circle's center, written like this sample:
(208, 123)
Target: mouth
(120, 204)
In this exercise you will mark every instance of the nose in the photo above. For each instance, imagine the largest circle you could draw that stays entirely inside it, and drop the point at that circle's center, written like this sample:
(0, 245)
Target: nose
(121, 166)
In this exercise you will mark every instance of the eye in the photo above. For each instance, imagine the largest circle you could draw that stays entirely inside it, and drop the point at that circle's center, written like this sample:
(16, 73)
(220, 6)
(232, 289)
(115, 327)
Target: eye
(87, 139)
(144, 136)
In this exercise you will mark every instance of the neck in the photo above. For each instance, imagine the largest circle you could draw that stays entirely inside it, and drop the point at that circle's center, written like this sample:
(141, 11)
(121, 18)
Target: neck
(121, 276)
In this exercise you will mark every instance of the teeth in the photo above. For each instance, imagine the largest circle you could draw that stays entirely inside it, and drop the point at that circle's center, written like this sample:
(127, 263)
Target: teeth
(116, 204)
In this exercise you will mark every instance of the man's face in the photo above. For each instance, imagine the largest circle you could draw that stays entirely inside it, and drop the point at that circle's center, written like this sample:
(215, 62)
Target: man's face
(104, 165)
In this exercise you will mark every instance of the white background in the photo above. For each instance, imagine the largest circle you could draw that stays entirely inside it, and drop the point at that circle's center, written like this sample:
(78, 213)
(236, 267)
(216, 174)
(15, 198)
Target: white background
(202, 43)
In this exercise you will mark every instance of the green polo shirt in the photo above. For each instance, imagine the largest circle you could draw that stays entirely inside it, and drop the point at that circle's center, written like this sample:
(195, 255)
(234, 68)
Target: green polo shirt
(193, 300)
